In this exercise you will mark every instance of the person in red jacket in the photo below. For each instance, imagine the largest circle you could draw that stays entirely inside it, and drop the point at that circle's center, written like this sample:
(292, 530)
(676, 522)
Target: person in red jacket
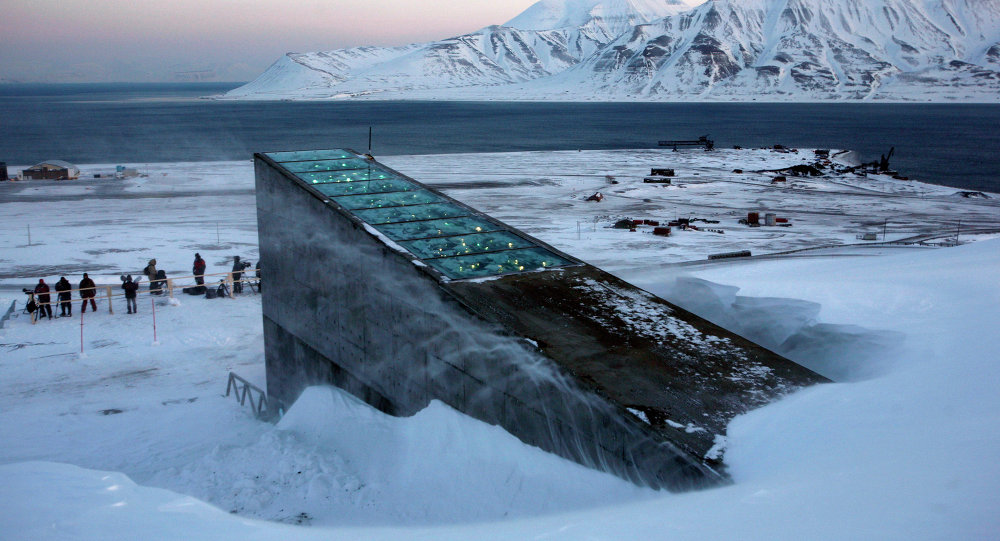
(88, 290)
(199, 270)
(42, 294)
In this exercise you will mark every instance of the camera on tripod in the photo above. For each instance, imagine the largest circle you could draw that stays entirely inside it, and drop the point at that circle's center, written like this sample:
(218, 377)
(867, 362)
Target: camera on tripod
(243, 265)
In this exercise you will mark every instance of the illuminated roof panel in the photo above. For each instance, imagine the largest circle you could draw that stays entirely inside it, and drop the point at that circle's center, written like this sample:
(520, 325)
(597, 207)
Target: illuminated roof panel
(447, 236)
(465, 244)
(311, 155)
(349, 175)
(335, 189)
(438, 228)
(490, 264)
(394, 199)
(411, 213)
(327, 165)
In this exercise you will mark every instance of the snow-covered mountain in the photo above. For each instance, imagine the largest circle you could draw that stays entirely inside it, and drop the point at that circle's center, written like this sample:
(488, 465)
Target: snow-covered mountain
(809, 48)
(547, 38)
(665, 50)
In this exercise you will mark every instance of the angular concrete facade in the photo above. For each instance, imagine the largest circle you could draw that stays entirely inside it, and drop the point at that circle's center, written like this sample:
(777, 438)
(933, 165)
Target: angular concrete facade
(569, 359)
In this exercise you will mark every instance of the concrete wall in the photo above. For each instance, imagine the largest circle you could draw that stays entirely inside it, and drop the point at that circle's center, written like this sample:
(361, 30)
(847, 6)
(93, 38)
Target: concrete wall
(343, 307)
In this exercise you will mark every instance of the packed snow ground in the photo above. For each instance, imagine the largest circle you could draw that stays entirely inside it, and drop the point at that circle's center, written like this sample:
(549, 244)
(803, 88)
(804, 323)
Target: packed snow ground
(139, 434)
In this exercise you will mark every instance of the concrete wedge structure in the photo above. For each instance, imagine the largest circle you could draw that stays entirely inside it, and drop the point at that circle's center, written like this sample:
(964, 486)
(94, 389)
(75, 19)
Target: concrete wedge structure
(401, 295)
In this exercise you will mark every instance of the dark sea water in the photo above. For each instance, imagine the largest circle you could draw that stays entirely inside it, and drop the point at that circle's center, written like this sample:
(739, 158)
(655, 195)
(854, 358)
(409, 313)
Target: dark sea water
(951, 144)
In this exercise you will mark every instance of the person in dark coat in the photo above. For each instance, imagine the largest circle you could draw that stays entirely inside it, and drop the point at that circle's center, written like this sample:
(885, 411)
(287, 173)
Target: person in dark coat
(131, 289)
(65, 293)
(150, 272)
(238, 267)
(257, 268)
(88, 290)
(199, 270)
(42, 294)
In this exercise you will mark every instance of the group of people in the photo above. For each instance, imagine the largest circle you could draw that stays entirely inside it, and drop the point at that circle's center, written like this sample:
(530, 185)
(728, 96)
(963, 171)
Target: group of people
(88, 289)
(64, 294)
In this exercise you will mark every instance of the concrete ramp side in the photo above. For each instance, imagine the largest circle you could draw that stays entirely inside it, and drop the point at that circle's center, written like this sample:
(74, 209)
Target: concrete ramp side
(401, 295)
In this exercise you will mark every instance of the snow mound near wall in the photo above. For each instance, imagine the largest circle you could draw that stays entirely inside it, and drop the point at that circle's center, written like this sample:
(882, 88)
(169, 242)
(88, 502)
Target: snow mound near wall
(405, 459)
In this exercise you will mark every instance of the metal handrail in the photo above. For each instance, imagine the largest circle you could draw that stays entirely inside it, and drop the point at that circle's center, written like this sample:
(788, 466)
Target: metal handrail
(246, 389)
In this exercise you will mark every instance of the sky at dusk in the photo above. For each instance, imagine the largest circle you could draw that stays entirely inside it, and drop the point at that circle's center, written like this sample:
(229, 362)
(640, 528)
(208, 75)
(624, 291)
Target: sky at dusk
(221, 40)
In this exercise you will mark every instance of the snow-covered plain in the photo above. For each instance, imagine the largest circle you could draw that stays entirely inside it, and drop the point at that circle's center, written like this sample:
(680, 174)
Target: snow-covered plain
(133, 439)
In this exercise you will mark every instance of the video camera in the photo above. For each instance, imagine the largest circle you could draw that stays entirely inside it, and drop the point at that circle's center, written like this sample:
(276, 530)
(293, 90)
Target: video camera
(245, 264)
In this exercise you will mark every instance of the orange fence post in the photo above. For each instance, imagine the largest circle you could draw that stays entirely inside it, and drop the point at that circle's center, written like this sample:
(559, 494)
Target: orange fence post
(111, 310)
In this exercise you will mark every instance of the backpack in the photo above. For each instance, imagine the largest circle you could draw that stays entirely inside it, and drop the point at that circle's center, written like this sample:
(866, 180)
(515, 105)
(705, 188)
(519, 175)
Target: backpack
(31, 307)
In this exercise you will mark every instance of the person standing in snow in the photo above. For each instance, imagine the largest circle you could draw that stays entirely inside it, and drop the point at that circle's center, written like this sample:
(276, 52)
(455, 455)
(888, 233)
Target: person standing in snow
(238, 267)
(199, 270)
(88, 290)
(131, 289)
(42, 294)
(64, 293)
(150, 272)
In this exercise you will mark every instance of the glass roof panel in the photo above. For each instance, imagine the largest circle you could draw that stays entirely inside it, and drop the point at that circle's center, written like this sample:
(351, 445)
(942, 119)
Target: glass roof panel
(376, 186)
(327, 165)
(310, 155)
(465, 244)
(453, 239)
(438, 228)
(411, 213)
(394, 199)
(493, 263)
(349, 175)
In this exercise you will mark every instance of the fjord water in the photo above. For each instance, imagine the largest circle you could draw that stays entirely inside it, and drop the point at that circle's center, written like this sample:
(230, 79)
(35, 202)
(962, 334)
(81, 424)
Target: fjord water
(950, 144)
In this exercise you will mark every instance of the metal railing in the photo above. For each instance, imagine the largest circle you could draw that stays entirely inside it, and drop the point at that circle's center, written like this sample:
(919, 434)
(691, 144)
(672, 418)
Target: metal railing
(244, 389)
(247, 277)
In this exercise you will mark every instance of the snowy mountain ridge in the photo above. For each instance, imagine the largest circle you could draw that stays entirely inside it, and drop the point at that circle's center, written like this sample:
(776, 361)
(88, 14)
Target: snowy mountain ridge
(663, 50)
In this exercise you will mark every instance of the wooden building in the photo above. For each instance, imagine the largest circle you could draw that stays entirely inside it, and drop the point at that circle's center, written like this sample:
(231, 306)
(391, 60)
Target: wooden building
(51, 170)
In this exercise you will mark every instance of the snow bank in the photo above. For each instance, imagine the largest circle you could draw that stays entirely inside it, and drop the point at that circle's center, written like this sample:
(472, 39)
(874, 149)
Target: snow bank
(45, 500)
(442, 452)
